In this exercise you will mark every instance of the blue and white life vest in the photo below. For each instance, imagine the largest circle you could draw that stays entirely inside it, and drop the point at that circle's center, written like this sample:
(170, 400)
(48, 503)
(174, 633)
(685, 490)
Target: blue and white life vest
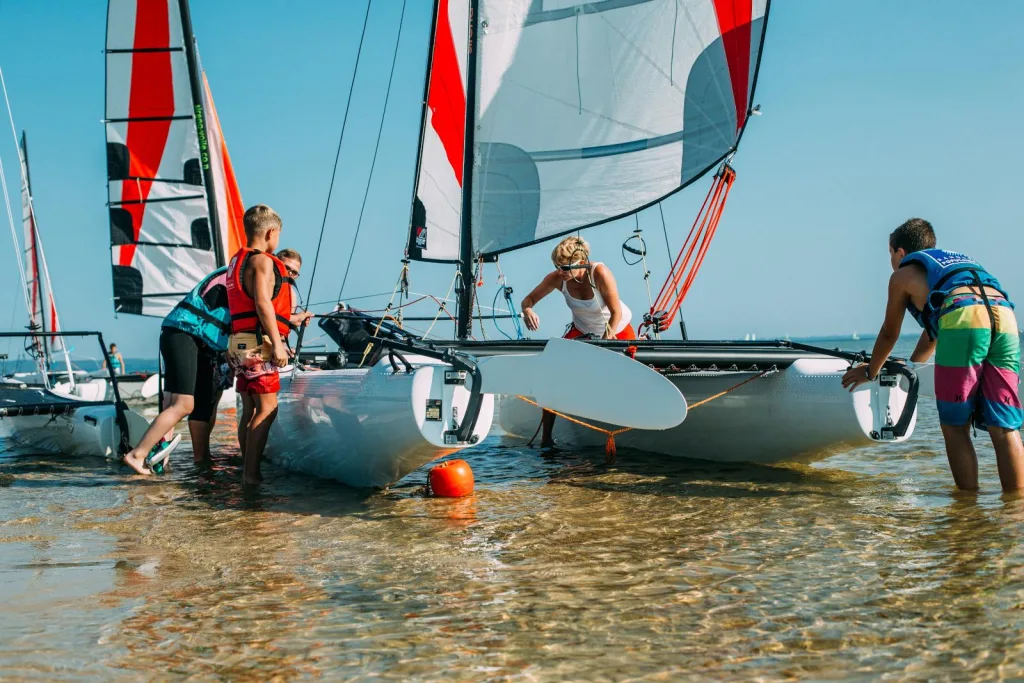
(946, 271)
(203, 312)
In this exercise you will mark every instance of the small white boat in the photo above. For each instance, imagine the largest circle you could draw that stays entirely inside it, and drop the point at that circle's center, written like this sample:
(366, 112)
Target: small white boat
(70, 417)
(41, 420)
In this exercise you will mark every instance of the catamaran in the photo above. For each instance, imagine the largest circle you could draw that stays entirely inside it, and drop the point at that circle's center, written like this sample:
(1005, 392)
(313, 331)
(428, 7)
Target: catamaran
(547, 118)
(539, 119)
(47, 410)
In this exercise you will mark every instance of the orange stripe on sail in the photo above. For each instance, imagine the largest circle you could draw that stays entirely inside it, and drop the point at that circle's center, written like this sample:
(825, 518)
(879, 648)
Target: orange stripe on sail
(231, 224)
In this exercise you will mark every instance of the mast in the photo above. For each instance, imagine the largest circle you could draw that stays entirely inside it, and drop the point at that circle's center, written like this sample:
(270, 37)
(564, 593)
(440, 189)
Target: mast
(465, 293)
(40, 342)
(195, 82)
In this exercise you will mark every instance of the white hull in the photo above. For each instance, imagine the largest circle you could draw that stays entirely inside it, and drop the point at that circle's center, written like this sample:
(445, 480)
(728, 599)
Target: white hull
(88, 430)
(800, 413)
(368, 427)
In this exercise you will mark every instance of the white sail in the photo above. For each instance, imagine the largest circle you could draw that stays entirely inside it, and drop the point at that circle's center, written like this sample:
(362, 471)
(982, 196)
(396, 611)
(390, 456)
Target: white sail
(591, 111)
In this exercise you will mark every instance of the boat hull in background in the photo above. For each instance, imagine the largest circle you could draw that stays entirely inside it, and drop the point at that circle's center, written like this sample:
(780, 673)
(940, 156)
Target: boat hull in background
(78, 427)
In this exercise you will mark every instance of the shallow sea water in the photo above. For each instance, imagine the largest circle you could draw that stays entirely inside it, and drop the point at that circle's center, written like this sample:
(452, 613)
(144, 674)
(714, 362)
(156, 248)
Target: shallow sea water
(865, 566)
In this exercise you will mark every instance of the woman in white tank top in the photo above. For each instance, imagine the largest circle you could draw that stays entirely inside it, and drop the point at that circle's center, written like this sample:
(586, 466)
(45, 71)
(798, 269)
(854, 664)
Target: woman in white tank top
(592, 297)
(590, 293)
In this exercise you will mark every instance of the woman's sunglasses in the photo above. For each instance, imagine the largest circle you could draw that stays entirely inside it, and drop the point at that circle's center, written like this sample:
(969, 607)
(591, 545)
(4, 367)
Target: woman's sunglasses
(571, 267)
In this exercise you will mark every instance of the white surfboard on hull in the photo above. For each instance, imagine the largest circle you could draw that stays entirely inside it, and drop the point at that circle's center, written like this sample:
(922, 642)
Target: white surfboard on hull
(369, 427)
(799, 414)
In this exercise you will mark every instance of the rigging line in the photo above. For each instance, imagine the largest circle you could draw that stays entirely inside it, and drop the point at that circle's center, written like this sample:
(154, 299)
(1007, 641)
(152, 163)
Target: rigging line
(664, 230)
(14, 232)
(37, 238)
(337, 154)
(376, 148)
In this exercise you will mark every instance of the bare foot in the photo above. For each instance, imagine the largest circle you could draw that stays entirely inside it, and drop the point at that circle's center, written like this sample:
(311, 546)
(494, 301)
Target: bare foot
(137, 461)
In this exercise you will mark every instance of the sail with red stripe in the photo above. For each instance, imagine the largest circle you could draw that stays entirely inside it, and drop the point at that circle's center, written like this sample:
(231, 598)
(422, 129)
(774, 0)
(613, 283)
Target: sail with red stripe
(584, 112)
(437, 206)
(32, 256)
(165, 152)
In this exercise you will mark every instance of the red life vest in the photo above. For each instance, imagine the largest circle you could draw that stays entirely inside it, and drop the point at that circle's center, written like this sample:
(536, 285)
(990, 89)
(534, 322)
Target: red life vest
(243, 307)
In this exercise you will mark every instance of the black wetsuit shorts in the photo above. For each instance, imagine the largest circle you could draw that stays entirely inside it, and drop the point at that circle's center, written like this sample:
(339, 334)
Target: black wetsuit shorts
(189, 369)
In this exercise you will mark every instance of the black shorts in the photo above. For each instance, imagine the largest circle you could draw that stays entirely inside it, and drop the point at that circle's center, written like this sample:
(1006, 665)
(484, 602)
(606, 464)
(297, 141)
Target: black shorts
(189, 370)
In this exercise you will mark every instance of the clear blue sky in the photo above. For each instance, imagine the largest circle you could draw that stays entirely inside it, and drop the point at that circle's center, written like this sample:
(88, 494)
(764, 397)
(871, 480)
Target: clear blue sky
(873, 112)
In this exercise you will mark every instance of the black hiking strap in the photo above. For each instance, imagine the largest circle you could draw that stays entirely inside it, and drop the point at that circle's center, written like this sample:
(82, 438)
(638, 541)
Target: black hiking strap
(978, 416)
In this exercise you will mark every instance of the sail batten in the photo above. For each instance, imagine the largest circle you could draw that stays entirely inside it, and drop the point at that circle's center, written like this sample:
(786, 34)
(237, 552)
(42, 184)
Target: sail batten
(168, 229)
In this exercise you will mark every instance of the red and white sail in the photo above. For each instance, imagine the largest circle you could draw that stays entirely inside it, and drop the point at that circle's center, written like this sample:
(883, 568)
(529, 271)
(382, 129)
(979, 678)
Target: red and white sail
(163, 147)
(437, 208)
(585, 112)
(33, 272)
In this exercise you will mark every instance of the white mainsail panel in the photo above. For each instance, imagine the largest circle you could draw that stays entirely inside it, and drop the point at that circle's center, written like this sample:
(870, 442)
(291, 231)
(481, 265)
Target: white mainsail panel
(590, 111)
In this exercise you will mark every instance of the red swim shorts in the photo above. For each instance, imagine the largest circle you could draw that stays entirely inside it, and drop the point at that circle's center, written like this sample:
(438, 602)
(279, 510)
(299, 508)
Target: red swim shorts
(269, 383)
(627, 333)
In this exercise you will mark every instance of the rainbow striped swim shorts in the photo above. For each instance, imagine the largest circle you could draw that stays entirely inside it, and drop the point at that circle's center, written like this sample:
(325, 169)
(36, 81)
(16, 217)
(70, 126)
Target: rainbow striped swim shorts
(977, 365)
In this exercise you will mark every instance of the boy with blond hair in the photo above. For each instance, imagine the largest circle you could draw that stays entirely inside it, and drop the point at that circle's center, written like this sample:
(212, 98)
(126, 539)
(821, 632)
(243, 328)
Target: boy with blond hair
(260, 301)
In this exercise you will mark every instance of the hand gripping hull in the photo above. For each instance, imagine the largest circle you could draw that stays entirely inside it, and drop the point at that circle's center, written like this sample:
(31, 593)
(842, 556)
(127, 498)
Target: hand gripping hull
(800, 413)
(369, 427)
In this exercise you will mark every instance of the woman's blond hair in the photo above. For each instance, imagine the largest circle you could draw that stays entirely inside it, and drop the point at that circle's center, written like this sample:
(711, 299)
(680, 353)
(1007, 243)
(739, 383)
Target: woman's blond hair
(572, 249)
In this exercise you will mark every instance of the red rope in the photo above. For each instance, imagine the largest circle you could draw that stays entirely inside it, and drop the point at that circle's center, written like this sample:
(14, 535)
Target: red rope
(691, 255)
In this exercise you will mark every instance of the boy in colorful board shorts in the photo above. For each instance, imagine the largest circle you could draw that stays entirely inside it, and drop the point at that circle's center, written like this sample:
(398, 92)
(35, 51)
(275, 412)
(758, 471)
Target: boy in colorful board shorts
(969, 324)
(259, 288)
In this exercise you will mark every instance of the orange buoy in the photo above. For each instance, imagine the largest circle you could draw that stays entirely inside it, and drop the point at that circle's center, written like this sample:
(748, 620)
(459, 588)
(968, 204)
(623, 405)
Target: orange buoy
(451, 479)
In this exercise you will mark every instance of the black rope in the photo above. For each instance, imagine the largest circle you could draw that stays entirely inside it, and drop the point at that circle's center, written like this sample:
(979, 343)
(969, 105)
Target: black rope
(376, 148)
(337, 154)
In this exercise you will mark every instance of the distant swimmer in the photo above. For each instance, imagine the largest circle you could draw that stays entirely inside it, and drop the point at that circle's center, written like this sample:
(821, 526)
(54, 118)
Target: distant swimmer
(592, 297)
(193, 339)
(969, 324)
(260, 299)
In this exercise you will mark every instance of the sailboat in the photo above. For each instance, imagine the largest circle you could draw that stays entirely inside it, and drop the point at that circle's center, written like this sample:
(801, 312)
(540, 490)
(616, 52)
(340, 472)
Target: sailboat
(51, 411)
(174, 204)
(542, 119)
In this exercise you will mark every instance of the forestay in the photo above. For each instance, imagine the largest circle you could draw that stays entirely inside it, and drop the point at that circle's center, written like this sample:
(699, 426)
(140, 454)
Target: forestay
(585, 112)
(164, 152)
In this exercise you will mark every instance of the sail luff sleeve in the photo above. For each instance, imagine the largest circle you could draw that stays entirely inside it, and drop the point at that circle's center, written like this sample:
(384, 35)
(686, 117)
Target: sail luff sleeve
(162, 242)
(593, 111)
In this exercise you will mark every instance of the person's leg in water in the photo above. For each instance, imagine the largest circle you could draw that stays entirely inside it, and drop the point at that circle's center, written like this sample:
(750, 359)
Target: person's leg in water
(1000, 399)
(963, 460)
(179, 405)
(248, 408)
(180, 353)
(256, 437)
(547, 423)
(204, 415)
